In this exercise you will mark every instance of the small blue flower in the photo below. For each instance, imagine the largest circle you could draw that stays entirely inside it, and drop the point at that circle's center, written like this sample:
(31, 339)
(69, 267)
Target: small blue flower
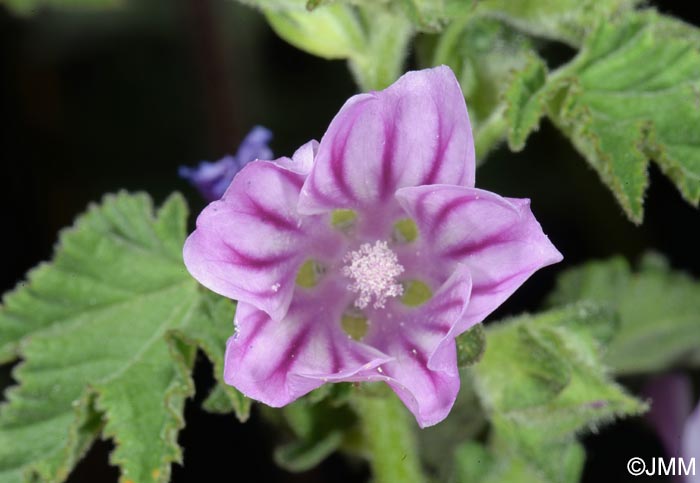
(212, 178)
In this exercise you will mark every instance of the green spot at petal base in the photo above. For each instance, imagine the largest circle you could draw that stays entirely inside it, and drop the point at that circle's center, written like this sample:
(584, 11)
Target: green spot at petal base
(416, 293)
(355, 325)
(343, 219)
(307, 276)
(405, 230)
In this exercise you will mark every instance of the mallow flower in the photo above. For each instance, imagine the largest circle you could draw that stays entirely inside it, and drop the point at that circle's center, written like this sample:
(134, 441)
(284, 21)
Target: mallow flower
(363, 256)
(212, 178)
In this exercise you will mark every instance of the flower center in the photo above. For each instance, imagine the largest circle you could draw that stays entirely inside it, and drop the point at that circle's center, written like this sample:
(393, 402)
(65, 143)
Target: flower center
(373, 270)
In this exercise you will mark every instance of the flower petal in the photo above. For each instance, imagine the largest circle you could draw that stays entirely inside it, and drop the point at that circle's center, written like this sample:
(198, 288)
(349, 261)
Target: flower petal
(424, 372)
(497, 238)
(691, 442)
(429, 395)
(248, 245)
(276, 362)
(414, 132)
(302, 160)
(671, 396)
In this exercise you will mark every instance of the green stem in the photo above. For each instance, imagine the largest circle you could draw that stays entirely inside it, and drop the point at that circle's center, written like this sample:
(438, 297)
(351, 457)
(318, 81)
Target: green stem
(389, 434)
(490, 133)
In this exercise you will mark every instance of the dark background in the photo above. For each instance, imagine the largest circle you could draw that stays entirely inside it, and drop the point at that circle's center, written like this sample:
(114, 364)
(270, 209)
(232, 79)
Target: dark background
(96, 102)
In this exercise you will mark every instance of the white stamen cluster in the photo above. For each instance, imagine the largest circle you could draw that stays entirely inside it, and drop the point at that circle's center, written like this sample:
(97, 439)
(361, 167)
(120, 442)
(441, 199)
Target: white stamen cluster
(373, 270)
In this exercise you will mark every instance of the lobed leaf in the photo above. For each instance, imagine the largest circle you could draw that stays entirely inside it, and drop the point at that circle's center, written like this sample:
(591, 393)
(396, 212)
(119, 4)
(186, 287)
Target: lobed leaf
(542, 382)
(94, 329)
(544, 373)
(564, 20)
(631, 95)
(525, 102)
(209, 331)
(659, 311)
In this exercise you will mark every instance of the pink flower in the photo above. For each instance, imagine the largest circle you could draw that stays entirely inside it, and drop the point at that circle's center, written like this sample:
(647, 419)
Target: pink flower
(363, 256)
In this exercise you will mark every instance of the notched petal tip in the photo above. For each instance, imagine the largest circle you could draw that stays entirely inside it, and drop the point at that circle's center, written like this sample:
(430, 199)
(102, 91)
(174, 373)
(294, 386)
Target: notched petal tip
(433, 405)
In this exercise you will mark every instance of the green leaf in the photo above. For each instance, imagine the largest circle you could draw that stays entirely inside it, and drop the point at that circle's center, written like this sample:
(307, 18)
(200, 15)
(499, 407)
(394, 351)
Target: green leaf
(471, 346)
(94, 330)
(534, 456)
(473, 463)
(508, 461)
(370, 36)
(659, 310)
(520, 369)
(428, 15)
(542, 382)
(332, 31)
(630, 96)
(209, 330)
(544, 373)
(565, 20)
(525, 102)
(382, 59)
(320, 429)
(483, 53)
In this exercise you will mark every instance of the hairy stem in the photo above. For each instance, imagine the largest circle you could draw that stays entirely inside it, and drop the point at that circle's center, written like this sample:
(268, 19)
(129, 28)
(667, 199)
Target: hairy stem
(390, 440)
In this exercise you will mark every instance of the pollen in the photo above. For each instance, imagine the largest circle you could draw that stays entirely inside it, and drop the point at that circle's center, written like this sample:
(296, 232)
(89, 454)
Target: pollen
(373, 270)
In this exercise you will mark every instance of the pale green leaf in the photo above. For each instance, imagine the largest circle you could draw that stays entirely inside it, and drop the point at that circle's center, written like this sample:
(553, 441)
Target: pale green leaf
(542, 382)
(373, 38)
(473, 463)
(525, 102)
(508, 461)
(544, 373)
(659, 311)
(332, 31)
(381, 60)
(534, 455)
(565, 20)
(95, 331)
(428, 15)
(520, 370)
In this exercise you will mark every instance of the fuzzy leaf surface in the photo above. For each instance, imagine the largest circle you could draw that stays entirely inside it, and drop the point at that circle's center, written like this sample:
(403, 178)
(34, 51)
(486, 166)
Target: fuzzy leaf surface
(99, 330)
(631, 95)
(659, 310)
